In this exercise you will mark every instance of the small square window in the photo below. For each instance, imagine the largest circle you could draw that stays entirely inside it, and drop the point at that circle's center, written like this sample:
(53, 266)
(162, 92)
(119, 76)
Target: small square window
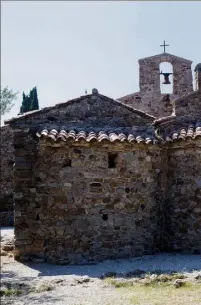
(67, 163)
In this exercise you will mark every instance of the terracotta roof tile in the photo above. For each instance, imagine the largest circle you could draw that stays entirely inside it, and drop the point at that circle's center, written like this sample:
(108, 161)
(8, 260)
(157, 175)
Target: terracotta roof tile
(192, 131)
(112, 136)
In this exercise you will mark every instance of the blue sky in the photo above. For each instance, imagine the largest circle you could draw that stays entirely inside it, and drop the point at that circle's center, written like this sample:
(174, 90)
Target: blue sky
(65, 47)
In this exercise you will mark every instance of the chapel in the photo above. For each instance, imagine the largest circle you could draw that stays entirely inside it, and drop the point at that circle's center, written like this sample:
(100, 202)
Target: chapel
(100, 178)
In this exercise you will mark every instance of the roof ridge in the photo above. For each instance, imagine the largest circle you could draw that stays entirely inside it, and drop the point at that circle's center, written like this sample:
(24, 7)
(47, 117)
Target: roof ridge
(78, 99)
(129, 95)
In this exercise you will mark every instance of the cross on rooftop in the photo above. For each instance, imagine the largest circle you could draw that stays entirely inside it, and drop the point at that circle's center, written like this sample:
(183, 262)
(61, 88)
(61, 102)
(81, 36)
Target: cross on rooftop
(164, 45)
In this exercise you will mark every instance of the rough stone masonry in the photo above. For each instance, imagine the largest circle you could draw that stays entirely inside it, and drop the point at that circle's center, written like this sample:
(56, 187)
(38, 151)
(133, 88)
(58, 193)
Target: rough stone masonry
(97, 179)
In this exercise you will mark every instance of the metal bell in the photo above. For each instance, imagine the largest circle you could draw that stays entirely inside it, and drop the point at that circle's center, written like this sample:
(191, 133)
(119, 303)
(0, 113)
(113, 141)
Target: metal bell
(166, 78)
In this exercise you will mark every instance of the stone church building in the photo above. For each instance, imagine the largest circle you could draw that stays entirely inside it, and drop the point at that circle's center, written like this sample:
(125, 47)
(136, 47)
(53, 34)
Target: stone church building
(97, 178)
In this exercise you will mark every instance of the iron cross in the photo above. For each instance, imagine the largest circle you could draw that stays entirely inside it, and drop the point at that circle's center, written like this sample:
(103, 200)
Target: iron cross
(164, 45)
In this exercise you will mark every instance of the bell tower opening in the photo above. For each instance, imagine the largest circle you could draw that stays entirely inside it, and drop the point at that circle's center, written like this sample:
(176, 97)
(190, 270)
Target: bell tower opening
(166, 78)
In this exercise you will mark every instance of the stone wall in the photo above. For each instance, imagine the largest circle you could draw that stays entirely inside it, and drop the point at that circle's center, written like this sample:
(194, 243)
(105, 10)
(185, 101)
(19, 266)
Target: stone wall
(71, 208)
(183, 203)
(6, 177)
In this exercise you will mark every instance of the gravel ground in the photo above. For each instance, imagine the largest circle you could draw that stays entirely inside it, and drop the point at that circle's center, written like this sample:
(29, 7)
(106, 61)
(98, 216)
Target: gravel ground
(81, 285)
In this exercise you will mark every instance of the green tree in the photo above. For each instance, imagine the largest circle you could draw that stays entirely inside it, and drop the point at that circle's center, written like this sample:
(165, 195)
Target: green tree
(7, 98)
(34, 104)
(29, 102)
(25, 104)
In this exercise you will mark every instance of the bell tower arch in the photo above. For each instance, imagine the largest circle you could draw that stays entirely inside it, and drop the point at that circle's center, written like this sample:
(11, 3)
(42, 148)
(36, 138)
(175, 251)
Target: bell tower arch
(150, 73)
(150, 81)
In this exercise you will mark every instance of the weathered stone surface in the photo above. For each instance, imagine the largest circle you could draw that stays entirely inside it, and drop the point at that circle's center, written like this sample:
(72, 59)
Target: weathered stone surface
(183, 202)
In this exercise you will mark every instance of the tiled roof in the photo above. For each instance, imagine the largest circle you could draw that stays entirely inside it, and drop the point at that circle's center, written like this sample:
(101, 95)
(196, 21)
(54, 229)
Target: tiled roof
(198, 67)
(112, 136)
(169, 134)
(135, 95)
(192, 131)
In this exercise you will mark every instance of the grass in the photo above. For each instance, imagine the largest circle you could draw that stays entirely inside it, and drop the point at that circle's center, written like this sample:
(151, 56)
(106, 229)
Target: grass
(158, 291)
(119, 284)
(165, 294)
(10, 292)
(21, 288)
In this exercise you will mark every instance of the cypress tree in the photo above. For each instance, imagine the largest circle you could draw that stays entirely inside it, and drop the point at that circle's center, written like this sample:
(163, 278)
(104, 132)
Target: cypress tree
(29, 102)
(34, 104)
(25, 104)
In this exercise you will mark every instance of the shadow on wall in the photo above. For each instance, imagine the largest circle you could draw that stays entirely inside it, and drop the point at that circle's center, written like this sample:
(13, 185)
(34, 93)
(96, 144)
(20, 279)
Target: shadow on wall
(6, 210)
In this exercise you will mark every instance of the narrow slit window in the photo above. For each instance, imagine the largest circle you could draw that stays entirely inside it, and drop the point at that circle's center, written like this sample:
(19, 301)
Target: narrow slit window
(112, 160)
(104, 217)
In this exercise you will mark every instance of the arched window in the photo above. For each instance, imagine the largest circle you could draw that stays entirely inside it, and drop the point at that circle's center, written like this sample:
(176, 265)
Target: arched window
(166, 67)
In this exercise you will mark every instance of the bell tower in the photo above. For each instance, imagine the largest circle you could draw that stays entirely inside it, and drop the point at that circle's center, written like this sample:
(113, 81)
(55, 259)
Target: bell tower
(149, 80)
(150, 73)
(151, 98)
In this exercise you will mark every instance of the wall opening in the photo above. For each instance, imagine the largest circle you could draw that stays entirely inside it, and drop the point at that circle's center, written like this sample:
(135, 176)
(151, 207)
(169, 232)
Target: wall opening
(166, 67)
(104, 217)
(67, 163)
(112, 160)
